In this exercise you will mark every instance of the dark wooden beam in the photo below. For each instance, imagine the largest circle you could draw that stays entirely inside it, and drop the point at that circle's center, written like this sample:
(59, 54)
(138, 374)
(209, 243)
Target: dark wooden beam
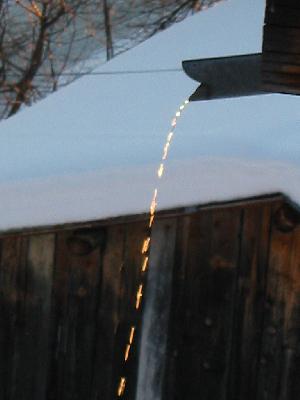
(281, 47)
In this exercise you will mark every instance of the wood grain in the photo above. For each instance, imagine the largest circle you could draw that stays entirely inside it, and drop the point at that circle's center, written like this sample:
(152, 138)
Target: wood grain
(229, 275)
(203, 348)
(74, 310)
(281, 47)
(281, 332)
(250, 300)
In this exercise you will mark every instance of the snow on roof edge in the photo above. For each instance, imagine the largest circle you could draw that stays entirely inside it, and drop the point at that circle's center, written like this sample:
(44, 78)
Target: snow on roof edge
(110, 193)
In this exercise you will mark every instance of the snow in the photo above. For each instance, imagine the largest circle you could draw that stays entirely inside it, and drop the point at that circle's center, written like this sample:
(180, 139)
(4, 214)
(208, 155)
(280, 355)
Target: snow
(91, 150)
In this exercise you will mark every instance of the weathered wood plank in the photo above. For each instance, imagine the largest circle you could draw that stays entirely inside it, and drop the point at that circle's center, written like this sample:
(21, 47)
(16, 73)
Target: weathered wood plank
(152, 358)
(280, 59)
(33, 295)
(12, 258)
(103, 385)
(131, 279)
(74, 329)
(117, 313)
(204, 348)
(283, 40)
(290, 384)
(282, 79)
(280, 70)
(22, 367)
(283, 16)
(40, 265)
(177, 312)
(284, 3)
(250, 301)
(281, 336)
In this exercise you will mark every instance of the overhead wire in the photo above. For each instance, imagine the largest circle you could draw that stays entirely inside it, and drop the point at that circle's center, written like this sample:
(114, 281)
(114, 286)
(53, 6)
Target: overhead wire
(118, 72)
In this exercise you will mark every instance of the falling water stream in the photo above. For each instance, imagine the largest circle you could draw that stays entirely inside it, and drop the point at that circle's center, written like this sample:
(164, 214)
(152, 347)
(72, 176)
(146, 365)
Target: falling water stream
(146, 245)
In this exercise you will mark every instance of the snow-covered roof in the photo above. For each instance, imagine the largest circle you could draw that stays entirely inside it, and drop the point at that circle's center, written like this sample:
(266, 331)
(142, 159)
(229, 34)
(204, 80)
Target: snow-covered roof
(91, 150)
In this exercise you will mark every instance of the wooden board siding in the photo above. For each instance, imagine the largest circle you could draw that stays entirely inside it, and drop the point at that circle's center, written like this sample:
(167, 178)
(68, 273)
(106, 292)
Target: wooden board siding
(235, 323)
(64, 316)
(280, 356)
(221, 316)
(281, 47)
(203, 322)
(249, 303)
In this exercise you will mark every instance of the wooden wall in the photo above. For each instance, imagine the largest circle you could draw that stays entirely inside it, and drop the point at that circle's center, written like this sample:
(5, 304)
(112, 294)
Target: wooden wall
(65, 314)
(235, 326)
(281, 47)
(229, 274)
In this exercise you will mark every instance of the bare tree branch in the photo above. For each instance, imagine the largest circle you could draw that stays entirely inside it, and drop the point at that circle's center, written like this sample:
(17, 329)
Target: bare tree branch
(44, 43)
